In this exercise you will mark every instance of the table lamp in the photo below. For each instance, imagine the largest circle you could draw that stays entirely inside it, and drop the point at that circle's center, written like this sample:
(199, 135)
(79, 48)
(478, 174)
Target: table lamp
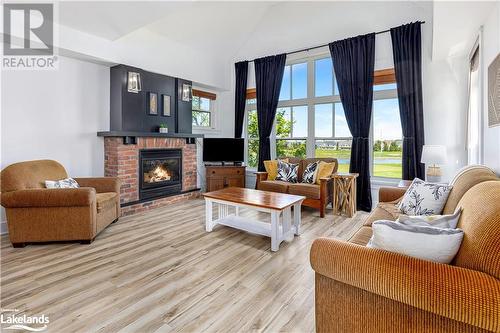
(433, 156)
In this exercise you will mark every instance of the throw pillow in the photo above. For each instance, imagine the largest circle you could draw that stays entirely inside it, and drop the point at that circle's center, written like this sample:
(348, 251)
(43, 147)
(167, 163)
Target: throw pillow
(272, 168)
(324, 170)
(287, 172)
(423, 198)
(428, 243)
(438, 221)
(63, 183)
(310, 173)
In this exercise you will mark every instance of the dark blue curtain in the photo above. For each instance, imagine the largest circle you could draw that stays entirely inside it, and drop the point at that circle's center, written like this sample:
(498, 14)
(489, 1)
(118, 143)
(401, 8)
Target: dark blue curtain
(353, 62)
(407, 52)
(240, 96)
(268, 76)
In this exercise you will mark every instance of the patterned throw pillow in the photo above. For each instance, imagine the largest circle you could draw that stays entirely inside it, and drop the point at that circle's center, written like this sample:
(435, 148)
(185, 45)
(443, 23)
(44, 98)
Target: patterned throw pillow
(423, 198)
(63, 183)
(310, 173)
(287, 172)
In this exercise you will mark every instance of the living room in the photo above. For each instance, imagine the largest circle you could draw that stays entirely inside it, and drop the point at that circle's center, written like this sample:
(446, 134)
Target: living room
(242, 166)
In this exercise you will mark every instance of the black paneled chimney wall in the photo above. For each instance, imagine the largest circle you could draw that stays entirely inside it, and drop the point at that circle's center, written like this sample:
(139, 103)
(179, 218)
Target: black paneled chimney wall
(129, 111)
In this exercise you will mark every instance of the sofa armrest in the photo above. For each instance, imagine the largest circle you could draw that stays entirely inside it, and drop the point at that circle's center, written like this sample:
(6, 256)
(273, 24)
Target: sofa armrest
(388, 194)
(259, 177)
(57, 197)
(101, 184)
(457, 293)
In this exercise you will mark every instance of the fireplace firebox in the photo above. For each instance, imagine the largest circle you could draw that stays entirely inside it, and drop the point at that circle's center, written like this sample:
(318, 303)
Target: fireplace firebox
(160, 172)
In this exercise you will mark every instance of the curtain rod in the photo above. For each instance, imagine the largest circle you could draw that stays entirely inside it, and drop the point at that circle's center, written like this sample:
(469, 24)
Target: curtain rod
(323, 45)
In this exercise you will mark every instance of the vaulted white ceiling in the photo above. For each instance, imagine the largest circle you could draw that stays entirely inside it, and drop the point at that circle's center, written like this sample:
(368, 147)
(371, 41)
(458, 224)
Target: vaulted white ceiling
(223, 32)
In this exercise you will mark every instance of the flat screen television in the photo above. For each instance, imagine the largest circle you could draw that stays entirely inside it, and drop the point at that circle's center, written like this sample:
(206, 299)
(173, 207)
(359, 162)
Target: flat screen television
(223, 150)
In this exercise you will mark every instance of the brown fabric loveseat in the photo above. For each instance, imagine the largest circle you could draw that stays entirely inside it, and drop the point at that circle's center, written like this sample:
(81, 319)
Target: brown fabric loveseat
(317, 195)
(37, 214)
(360, 289)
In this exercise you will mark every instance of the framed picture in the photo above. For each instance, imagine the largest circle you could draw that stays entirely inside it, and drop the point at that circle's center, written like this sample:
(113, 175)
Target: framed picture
(153, 103)
(494, 93)
(166, 105)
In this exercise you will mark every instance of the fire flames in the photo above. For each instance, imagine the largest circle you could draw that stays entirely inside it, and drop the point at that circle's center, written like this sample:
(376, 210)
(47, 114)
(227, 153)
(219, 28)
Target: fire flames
(158, 174)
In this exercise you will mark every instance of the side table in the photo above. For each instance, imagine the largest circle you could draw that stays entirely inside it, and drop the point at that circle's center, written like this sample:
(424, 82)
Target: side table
(344, 193)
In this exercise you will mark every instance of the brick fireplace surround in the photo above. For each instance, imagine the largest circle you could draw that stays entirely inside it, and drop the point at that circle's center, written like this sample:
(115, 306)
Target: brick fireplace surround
(122, 161)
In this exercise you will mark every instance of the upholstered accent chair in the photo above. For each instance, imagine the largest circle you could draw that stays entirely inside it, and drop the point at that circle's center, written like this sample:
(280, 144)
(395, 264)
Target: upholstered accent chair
(317, 195)
(360, 289)
(37, 214)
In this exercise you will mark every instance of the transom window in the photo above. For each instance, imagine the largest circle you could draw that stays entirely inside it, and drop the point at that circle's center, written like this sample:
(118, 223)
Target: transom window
(310, 120)
(203, 109)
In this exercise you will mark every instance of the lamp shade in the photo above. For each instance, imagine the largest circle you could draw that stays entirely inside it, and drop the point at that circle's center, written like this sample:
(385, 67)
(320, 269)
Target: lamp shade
(434, 154)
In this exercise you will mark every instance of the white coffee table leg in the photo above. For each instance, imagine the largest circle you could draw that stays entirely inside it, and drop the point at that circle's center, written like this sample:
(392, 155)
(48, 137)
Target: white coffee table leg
(287, 224)
(296, 218)
(275, 245)
(208, 215)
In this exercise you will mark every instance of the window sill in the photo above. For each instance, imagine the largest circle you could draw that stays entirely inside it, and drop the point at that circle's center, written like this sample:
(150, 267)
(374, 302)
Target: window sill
(206, 130)
(380, 181)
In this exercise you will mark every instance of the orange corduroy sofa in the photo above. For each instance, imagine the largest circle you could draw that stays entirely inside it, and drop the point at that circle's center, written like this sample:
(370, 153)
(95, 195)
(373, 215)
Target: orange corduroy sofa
(360, 289)
(37, 214)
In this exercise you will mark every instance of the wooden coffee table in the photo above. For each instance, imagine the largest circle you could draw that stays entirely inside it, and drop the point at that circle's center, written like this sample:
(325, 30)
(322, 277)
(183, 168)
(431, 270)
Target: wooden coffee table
(277, 204)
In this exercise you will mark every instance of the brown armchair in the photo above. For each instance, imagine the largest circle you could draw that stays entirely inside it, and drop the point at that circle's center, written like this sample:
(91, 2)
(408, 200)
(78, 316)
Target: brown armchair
(37, 214)
(317, 195)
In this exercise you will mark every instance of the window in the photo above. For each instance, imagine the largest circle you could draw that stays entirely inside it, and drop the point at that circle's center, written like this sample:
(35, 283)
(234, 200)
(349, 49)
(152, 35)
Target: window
(202, 109)
(474, 112)
(387, 139)
(310, 119)
(252, 134)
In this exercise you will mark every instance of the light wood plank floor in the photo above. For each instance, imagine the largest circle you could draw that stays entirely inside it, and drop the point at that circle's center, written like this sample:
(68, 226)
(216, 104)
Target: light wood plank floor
(161, 272)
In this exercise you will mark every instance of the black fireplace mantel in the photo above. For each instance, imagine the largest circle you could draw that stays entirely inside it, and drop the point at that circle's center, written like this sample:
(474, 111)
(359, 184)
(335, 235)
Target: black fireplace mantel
(129, 137)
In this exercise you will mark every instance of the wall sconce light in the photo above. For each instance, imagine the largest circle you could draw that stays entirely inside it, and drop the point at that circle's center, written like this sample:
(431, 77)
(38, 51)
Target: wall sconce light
(134, 82)
(186, 92)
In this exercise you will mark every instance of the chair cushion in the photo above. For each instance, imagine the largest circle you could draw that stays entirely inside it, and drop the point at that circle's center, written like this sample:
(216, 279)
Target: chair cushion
(383, 211)
(325, 169)
(105, 200)
(273, 186)
(310, 191)
(362, 236)
(271, 167)
(31, 175)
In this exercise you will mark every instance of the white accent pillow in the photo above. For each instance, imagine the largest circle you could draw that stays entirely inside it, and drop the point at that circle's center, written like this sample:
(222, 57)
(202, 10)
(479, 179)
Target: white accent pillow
(63, 183)
(428, 243)
(438, 221)
(423, 198)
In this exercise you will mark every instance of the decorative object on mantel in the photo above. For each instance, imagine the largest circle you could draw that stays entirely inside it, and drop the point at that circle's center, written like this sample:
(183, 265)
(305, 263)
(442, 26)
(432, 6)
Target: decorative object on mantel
(134, 84)
(494, 93)
(433, 156)
(163, 128)
(166, 106)
(152, 103)
(186, 92)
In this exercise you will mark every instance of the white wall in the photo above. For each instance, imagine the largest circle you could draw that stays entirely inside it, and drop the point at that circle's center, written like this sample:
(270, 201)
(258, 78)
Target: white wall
(491, 48)
(55, 115)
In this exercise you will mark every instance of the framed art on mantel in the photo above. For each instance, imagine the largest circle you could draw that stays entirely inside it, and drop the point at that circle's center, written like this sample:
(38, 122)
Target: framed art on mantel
(494, 93)
(166, 105)
(153, 104)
